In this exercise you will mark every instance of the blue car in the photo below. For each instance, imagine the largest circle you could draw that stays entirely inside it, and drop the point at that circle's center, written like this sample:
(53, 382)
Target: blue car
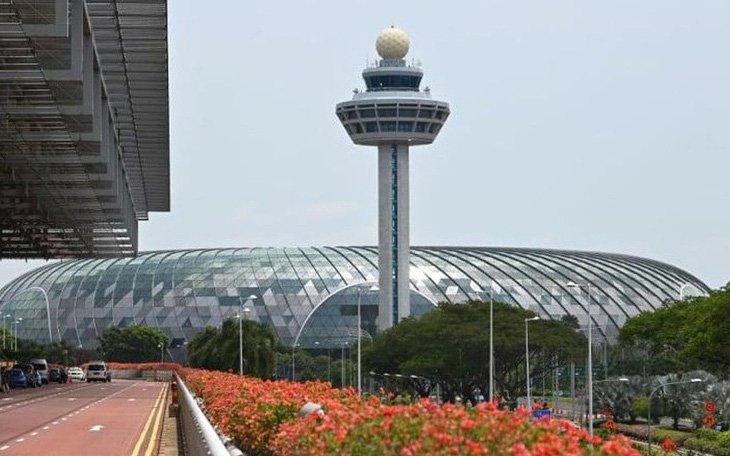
(17, 378)
(33, 376)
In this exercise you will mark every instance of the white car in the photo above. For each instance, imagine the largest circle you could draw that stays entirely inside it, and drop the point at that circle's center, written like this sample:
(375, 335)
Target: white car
(97, 372)
(76, 373)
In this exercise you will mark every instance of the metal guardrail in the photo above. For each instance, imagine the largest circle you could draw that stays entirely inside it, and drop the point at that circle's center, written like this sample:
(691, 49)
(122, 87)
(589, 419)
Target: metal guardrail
(201, 438)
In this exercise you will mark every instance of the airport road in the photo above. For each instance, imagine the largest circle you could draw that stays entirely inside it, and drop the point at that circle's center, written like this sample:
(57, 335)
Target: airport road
(119, 418)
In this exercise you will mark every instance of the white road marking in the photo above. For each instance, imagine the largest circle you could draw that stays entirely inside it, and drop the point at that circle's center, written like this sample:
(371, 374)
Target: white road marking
(45, 428)
(4, 447)
(96, 428)
(19, 440)
(33, 433)
(131, 400)
(55, 422)
(71, 398)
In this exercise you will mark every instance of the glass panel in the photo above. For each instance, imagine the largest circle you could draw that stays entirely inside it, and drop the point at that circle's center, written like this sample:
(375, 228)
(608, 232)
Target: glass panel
(367, 113)
(405, 126)
(387, 126)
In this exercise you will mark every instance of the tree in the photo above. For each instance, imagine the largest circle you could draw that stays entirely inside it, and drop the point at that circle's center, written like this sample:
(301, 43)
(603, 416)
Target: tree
(719, 394)
(450, 346)
(133, 344)
(219, 349)
(679, 399)
(684, 335)
(620, 397)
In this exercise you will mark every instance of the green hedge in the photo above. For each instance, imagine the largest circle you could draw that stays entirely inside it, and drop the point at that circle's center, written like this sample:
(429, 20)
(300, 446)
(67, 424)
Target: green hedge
(641, 432)
(709, 441)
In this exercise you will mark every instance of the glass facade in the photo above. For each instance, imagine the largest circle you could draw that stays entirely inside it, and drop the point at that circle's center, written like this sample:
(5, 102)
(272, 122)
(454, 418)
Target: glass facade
(311, 294)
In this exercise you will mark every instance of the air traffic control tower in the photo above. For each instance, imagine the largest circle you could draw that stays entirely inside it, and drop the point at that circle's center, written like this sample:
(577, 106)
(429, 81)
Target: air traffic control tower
(393, 113)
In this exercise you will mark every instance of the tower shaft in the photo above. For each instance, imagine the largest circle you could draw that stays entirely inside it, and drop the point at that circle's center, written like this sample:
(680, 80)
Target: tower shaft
(393, 234)
(393, 114)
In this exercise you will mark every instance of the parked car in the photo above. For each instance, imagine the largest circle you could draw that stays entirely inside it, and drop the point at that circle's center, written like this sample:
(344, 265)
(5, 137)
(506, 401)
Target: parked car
(57, 374)
(41, 366)
(76, 373)
(97, 372)
(34, 377)
(17, 378)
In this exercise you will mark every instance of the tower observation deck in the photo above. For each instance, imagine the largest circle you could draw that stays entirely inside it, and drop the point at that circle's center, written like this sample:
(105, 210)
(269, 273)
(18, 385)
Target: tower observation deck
(393, 113)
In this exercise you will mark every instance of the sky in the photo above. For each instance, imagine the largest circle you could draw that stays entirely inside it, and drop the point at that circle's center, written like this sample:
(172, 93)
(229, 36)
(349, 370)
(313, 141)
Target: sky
(575, 125)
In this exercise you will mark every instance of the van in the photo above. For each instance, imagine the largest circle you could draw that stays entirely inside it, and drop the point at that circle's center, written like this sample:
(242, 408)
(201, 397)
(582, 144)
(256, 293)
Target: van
(97, 372)
(41, 366)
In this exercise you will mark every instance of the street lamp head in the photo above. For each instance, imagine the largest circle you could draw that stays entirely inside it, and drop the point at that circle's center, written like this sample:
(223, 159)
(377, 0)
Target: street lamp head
(623, 379)
(253, 296)
(373, 373)
(696, 380)
(536, 317)
(375, 288)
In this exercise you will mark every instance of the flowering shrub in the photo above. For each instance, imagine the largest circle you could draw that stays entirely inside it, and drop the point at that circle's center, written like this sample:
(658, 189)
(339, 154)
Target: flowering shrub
(260, 416)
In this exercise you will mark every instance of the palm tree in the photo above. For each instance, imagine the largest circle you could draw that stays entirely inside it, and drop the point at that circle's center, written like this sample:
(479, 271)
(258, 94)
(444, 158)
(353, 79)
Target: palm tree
(620, 396)
(680, 398)
(719, 394)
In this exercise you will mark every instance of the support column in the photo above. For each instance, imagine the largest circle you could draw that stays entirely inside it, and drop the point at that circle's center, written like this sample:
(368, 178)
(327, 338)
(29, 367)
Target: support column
(393, 234)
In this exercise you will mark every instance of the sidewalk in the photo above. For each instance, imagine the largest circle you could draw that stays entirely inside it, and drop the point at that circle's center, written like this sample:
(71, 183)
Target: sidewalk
(170, 439)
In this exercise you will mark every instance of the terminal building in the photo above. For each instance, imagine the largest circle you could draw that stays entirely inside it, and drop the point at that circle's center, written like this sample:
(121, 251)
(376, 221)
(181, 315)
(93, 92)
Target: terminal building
(310, 295)
(84, 125)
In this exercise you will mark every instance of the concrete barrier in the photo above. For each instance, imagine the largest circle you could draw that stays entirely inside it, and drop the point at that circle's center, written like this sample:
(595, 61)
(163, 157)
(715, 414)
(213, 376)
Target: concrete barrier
(201, 438)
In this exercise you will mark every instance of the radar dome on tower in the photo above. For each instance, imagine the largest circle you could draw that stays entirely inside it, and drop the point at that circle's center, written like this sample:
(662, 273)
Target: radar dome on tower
(392, 44)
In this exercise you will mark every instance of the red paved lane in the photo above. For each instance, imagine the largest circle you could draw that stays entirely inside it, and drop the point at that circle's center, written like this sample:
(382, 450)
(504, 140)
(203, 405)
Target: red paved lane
(103, 418)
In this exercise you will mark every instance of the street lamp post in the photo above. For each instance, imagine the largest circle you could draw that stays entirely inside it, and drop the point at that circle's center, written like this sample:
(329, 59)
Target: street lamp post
(342, 370)
(359, 334)
(162, 352)
(240, 331)
(491, 340)
(589, 378)
(491, 345)
(293, 364)
(693, 380)
(5, 330)
(527, 358)
(15, 339)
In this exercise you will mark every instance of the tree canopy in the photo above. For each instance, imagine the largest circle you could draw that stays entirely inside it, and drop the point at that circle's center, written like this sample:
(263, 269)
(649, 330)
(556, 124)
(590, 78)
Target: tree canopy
(217, 349)
(689, 334)
(451, 346)
(133, 344)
